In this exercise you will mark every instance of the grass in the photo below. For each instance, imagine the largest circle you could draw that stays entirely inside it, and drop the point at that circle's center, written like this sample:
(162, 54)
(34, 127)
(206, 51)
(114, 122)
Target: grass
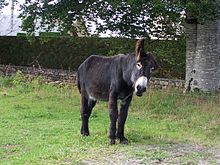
(40, 124)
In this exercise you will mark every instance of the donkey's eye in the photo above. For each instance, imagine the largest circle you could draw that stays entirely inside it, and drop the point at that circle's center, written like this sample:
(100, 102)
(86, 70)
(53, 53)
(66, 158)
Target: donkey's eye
(152, 69)
(138, 65)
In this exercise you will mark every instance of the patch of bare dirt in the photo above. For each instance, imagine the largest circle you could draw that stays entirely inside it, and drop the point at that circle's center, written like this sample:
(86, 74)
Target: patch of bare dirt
(157, 154)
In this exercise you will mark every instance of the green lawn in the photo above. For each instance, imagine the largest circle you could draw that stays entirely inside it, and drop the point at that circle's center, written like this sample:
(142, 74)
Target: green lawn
(40, 124)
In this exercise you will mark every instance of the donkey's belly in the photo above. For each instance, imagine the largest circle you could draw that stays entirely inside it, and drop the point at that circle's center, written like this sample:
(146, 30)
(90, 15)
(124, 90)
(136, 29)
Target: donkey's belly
(98, 92)
(99, 95)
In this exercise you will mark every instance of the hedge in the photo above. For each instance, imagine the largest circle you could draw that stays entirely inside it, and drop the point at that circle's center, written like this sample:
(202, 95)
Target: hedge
(70, 52)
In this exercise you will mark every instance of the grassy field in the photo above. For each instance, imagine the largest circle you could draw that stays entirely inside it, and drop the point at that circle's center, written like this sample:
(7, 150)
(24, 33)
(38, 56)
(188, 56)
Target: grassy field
(40, 124)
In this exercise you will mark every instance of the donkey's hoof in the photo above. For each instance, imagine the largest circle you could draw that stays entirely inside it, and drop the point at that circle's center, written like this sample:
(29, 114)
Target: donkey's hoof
(84, 133)
(112, 141)
(124, 141)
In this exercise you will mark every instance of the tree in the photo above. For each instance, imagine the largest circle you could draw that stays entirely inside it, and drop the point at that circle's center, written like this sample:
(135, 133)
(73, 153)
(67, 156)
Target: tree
(59, 15)
(140, 18)
(125, 19)
(160, 19)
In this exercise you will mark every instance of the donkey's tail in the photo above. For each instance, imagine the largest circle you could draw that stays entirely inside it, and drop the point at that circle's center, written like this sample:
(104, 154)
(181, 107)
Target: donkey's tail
(78, 82)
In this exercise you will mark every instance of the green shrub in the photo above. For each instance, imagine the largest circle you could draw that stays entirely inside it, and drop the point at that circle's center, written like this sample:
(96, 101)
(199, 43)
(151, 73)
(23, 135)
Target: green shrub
(70, 52)
(6, 81)
(51, 34)
(21, 34)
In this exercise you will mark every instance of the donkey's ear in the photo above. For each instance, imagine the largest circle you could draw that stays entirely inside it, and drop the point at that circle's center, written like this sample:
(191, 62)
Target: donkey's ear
(139, 49)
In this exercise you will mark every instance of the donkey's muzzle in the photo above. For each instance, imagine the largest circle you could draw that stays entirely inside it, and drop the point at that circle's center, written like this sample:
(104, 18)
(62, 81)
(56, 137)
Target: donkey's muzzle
(140, 90)
(141, 85)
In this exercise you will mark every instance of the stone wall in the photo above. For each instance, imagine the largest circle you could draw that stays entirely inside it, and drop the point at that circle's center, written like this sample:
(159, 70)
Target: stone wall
(162, 83)
(51, 75)
(67, 76)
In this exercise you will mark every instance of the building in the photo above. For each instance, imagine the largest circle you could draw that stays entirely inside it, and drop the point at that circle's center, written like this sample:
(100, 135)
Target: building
(9, 28)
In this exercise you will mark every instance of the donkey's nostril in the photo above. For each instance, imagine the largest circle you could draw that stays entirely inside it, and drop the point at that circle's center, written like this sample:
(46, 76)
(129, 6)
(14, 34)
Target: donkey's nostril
(141, 88)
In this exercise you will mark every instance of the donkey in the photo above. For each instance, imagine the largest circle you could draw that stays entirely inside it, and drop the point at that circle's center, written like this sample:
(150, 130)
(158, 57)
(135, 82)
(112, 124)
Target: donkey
(110, 79)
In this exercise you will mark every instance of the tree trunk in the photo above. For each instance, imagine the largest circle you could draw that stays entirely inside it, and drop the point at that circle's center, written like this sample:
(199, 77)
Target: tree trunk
(202, 56)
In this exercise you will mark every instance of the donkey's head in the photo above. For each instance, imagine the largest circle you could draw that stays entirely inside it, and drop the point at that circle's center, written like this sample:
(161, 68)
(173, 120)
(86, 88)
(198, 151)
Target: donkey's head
(145, 63)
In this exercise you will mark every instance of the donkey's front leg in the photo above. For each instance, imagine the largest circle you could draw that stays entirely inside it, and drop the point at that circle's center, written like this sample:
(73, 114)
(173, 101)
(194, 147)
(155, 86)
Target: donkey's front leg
(113, 114)
(122, 119)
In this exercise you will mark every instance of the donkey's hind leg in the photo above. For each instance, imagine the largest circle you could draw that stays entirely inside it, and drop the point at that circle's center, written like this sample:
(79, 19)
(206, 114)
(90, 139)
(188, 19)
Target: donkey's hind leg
(86, 109)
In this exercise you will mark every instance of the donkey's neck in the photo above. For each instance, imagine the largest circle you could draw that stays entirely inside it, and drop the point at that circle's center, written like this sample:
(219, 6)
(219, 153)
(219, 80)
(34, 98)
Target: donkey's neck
(128, 66)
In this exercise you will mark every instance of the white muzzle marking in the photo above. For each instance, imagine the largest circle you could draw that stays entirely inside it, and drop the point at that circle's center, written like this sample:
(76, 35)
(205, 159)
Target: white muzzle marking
(141, 81)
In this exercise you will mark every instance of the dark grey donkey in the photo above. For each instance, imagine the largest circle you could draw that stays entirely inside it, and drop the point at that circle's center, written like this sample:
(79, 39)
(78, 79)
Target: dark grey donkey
(110, 79)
